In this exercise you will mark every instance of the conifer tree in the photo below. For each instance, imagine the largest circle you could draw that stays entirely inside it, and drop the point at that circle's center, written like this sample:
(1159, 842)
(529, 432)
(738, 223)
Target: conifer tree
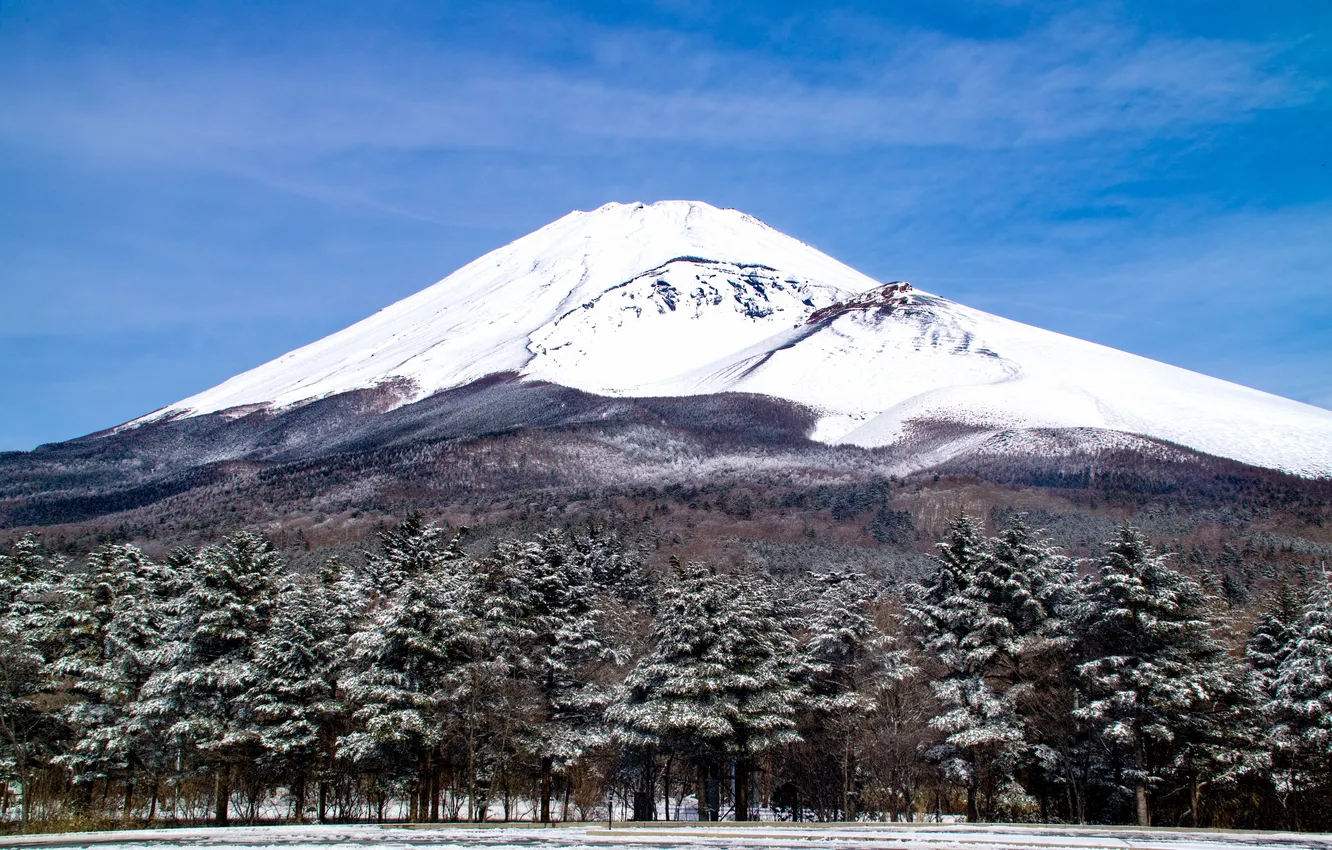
(1155, 664)
(294, 699)
(207, 668)
(29, 733)
(1274, 636)
(115, 637)
(846, 665)
(1302, 696)
(413, 548)
(567, 645)
(717, 680)
(404, 659)
(960, 628)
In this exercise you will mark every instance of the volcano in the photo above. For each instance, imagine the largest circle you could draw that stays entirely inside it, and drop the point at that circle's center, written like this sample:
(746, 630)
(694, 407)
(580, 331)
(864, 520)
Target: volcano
(682, 299)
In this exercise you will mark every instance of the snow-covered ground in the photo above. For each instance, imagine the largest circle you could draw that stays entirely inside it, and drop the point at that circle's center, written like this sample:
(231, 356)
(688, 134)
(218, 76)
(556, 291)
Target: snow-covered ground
(664, 835)
(681, 298)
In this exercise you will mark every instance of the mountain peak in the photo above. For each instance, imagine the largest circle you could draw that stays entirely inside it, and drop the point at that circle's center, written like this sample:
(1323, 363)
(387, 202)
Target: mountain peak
(681, 298)
(480, 319)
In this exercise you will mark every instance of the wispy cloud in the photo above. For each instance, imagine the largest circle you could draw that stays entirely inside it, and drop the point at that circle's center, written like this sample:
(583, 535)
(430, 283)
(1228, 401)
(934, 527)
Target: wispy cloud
(1071, 78)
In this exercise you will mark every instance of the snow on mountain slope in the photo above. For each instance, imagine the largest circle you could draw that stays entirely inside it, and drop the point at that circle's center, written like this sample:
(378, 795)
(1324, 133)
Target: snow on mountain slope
(680, 298)
(671, 319)
(477, 321)
(926, 359)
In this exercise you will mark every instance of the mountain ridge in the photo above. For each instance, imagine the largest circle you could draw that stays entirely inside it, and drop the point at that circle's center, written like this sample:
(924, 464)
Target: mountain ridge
(679, 298)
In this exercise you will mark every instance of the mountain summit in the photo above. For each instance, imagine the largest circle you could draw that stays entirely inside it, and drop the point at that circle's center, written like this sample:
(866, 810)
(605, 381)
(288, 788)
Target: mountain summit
(679, 298)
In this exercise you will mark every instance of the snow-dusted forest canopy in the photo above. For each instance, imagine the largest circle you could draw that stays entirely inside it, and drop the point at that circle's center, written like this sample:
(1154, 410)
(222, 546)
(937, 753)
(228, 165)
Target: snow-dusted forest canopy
(542, 678)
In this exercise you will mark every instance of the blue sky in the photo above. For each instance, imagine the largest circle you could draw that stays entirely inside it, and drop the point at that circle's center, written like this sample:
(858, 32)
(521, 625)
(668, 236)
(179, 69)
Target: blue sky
(191, 189)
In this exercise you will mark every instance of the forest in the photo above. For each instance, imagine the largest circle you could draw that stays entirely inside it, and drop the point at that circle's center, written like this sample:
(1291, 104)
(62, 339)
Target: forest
(552, 677)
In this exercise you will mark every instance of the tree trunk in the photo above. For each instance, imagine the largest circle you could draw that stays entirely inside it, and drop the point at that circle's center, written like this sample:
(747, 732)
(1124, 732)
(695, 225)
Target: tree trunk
(439, 791)
(298, 792)
(25, 805)
(423, 789)
(973, 810)
(848, 788)
(742, 789)
(152, 801)
(323, 801)
(129, 801)
(666, 785)
(702, 793)
(546, 767)
(1194, 796)
(434, 793)
(222, 793)
(1140, 785)
(471, 776)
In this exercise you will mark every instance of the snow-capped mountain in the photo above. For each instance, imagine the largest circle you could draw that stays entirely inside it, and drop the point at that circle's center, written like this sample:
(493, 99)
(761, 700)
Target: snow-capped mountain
(680, 298)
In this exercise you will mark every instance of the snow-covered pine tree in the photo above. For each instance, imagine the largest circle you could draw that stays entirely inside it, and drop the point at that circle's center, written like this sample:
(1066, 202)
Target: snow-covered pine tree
(846, 661)
(1032, 594)
(566, 646)
(1155, 665)
(414, 547)
(28, 732)
(1271, 641)
(717, 681)
(1274, 635)
(612, 565)
(497, 691)
(1302, 702)
(1028, 589)
(943, 609)
(405, 656)
(293, 700)
(963, 630)
(207, 669)
(983, 744)
(842, 641)
(115, 637)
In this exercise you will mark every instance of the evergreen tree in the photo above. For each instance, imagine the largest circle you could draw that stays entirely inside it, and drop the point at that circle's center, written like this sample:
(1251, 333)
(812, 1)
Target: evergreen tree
(1156, 666)
(294, 700)
(847, 666)
(29, 731)
(716, 682)
(944, 609)
(567, 646)
(1274, 636)
(1030, 593)
(415, 547)
(1302, 698)
(115, 636)
(207, 669)
(982, 615)
(404, 657)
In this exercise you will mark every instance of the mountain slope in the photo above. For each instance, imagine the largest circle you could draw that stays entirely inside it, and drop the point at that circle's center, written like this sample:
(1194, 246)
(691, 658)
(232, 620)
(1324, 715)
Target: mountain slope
(682, 299)
(478, 320)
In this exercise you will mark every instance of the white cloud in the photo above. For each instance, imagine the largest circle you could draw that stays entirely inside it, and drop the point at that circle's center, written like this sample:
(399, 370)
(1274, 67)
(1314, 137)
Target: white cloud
(1070, 79)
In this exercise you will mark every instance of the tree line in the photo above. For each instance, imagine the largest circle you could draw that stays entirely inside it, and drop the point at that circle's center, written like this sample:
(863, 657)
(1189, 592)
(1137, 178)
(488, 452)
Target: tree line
(549, 678)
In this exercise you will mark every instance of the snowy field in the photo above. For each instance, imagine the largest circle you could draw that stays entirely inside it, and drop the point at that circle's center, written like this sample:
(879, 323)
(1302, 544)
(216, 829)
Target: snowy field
(664, 835)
